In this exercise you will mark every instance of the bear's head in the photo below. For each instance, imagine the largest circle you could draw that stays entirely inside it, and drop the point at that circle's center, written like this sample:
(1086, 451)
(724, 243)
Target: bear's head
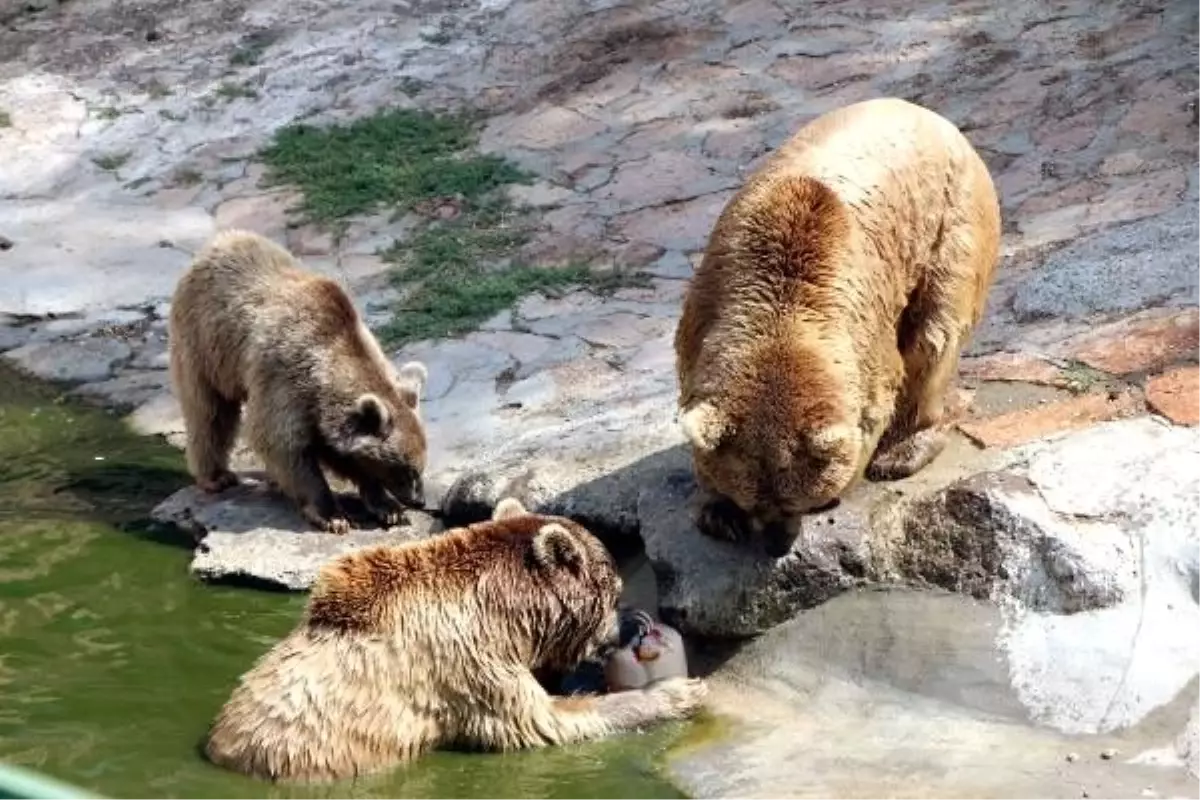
(562, 582)
(387, 439)
(778, 439)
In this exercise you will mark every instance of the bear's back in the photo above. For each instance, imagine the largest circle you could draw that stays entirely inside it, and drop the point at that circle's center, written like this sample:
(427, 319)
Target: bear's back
(882, 178)
(323, 705)
(899, 169)
(243, 294)
(244, 279)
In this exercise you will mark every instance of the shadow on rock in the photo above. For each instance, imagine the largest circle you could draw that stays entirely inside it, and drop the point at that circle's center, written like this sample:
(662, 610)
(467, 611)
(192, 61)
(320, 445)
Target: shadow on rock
(706, 587)
(998, 534)
(120, 491)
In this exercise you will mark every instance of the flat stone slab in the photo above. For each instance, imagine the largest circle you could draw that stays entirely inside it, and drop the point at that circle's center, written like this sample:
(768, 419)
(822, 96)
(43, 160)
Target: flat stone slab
(1054, 529)
(80, 361)
(251, 534)
(70, 256)
(1144, 263)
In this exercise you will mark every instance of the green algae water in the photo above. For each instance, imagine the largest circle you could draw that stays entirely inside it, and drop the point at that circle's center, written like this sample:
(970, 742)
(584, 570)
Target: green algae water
(113, 659)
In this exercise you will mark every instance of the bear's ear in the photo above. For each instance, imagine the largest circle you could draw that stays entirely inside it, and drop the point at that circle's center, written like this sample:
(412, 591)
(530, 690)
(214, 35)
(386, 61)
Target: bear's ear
(411, 379)
(833, 439)
(554, 546)
(371, 416)
(508, 508)
(704, 425)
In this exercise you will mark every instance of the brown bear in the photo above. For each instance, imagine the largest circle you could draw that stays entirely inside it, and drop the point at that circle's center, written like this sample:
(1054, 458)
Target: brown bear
(434, 643)
(249, 325)
(825, 320)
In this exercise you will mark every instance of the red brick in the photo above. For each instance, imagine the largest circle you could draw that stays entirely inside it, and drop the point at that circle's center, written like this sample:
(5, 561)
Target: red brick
(1013, 367)
(1020, 427)
(1141, 343)
(1176, 395)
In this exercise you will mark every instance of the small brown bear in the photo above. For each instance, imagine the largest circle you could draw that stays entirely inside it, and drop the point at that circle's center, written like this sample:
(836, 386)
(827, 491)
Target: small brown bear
(825, 321)
(249, 325)
(434, 643)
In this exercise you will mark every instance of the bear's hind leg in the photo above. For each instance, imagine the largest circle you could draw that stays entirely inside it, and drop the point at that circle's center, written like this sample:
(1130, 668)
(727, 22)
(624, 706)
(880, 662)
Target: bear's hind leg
(939, 318)
(211, 423)
(917, 434)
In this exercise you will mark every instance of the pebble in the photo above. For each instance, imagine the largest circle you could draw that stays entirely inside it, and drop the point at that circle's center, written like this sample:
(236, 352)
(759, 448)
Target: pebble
(1072, 757)
(1109, 754)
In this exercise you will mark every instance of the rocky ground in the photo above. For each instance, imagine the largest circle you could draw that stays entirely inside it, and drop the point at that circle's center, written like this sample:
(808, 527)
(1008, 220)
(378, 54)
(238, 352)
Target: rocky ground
(1066, 502)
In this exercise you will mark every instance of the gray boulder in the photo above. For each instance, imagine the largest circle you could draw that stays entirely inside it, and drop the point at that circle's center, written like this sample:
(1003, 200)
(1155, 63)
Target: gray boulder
(1064, 658)
(1060, 529)
(906, 693)
(714, 588)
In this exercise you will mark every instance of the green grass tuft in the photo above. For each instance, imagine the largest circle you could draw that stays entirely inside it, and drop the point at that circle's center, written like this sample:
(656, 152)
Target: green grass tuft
(5, 119)
(453, 274)
(394, 160)
(156, 89)
(1079, 378)
(111, 161)
(252, 47)
(230, 91)
(446, 306)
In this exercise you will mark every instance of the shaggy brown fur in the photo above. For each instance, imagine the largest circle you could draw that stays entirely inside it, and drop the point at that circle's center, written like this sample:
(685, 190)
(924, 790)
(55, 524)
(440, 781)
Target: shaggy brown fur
(429, 644)
(825, 322)
(249, 325)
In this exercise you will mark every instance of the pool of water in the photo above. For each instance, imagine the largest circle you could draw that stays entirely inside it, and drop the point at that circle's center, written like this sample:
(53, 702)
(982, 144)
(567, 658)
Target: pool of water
(113, 659)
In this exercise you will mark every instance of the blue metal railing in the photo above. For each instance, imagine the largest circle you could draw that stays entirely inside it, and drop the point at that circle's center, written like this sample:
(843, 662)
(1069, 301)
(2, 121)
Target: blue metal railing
(23, 784)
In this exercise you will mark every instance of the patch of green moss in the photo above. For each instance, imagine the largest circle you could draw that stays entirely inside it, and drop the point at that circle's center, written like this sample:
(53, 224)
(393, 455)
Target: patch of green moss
(452, 273)
(391, 160)
(230, 91)
(111, 161)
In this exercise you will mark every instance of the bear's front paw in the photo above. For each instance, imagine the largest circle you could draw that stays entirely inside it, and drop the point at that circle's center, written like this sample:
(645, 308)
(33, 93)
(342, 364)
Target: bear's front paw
(332, 522)
(385, 509)
(679, 697)
(906, 457)
(722, 519)
(218, 482)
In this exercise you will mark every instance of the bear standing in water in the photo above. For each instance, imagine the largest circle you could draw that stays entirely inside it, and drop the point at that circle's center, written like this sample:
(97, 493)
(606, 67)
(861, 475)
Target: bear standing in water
(825, 322)
(248, 325)
(406, 648)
